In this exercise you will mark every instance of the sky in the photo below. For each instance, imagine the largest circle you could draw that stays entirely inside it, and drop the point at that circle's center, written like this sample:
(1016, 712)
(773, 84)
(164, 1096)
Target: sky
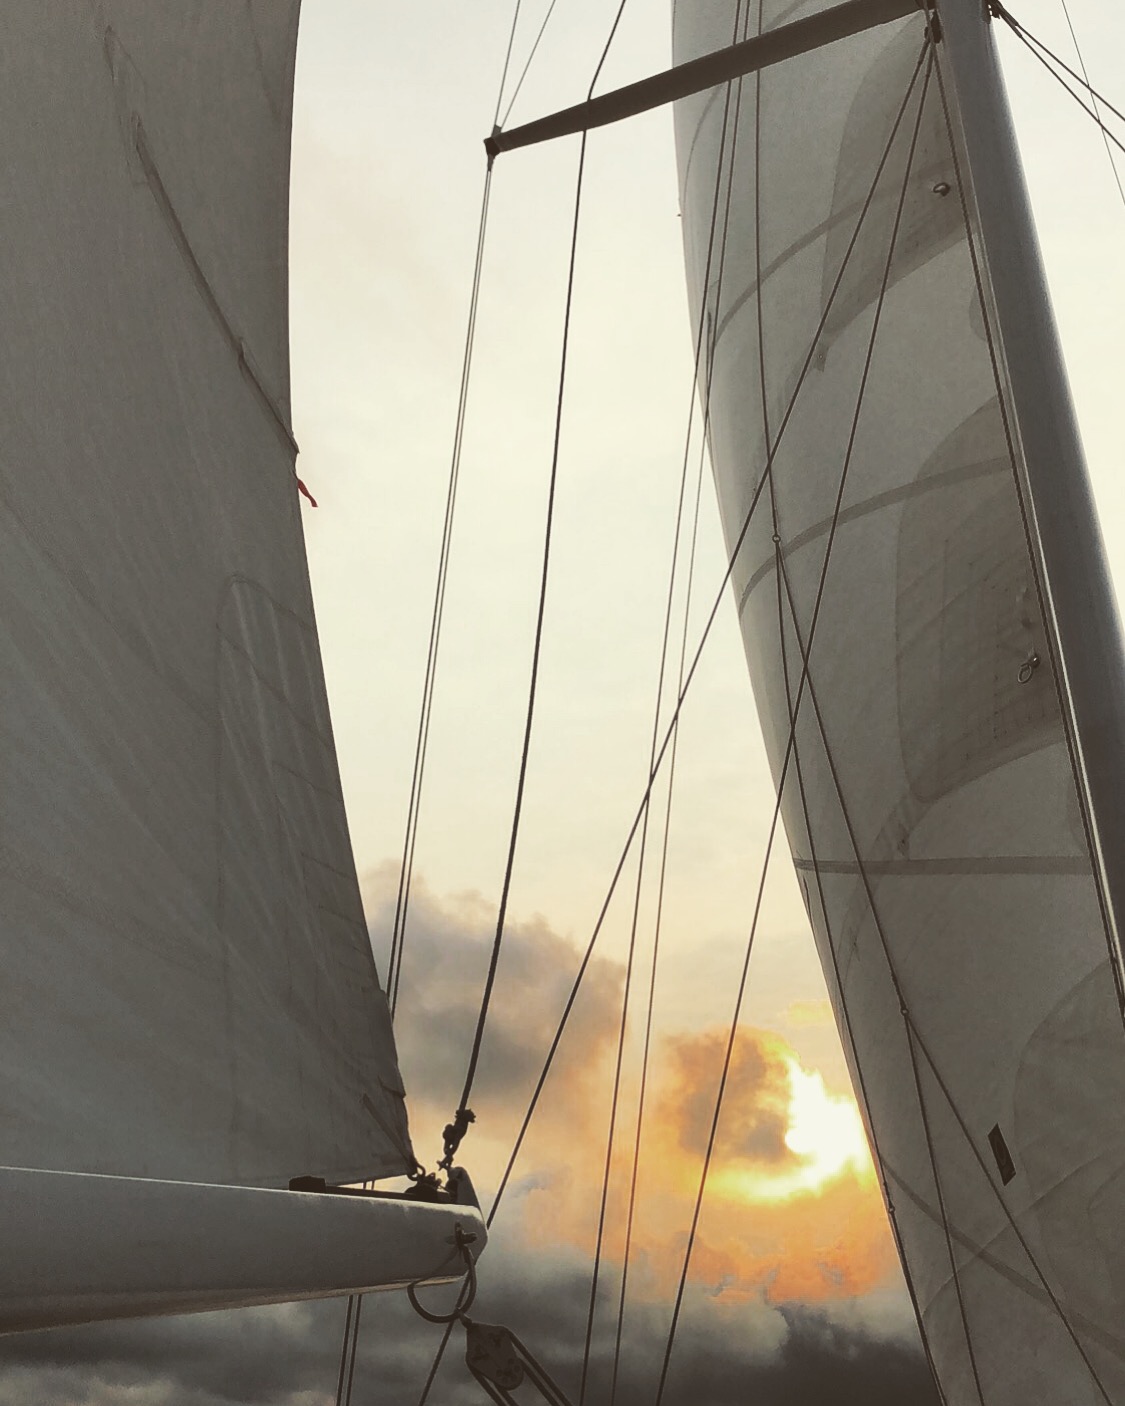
(795, 1297)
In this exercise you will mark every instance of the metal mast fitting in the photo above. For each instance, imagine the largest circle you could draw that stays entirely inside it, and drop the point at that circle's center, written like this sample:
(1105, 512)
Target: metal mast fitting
(696, 76)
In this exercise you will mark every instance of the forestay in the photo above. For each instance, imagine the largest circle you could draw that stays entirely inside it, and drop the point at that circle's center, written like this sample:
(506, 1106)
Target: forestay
(189, 991)
(940, 837)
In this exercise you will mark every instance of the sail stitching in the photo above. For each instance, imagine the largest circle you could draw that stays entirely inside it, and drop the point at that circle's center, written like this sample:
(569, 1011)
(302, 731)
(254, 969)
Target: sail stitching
(1045, 611)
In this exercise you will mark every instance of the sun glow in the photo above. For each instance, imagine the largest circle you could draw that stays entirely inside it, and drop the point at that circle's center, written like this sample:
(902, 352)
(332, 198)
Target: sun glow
(825, 1135)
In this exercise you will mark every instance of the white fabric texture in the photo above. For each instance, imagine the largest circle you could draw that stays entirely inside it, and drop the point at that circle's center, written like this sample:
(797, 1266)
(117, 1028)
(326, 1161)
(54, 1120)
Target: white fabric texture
(189, 988)
(932, 810)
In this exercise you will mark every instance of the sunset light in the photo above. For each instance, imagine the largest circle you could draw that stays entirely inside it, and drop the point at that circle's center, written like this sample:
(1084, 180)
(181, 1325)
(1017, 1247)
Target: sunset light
(825, 1135)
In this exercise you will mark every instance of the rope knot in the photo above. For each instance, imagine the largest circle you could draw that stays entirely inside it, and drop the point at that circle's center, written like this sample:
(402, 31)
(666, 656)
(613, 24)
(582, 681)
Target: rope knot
(453, 1133)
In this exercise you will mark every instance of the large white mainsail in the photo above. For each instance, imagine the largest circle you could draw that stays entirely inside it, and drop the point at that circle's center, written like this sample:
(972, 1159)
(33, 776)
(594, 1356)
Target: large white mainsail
(935, 801)
(189, 990)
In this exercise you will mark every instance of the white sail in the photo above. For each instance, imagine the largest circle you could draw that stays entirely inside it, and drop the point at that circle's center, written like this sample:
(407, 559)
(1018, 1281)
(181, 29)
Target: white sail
(189, 990)
(941, 838)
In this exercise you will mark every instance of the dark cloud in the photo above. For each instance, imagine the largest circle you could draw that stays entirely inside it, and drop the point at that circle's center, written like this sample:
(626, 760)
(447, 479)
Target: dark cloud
(448, 944)
(755, 1101)
(726, 1353)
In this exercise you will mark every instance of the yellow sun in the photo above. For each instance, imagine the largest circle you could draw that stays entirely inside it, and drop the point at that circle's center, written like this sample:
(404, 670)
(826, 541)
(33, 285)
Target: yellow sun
(825, 1135)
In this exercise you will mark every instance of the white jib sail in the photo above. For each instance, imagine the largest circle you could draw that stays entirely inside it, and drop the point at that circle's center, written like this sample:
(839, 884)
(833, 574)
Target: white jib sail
(931, 802)
(189, 991)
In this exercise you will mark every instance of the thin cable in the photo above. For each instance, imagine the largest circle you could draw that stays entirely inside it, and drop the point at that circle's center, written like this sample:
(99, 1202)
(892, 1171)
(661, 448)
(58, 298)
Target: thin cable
(700, 339)
(792, 736)
(436, 1364)
(705, 634)
(406, 870)
(643, 845)
(344, 1349)
(1029, 38)
(355, 1344)
(516, 91)
(507, 62)
(1047, 57)
(525, 752)
(1096, 100)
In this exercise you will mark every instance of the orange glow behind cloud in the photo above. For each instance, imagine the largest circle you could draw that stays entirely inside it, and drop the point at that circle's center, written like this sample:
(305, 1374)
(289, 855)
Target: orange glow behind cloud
(792, 1209)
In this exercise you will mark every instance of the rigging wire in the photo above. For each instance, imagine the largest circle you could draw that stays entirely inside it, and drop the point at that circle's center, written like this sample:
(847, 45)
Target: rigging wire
(643, 843)
(463, 1116)
(350, 1342)
(1095, 99)
(503, 122)
(688, 678)
(344, 1349)
(698, 362)
(507, 63)
(802, 685)
(720, 596)
(1047, 57)
(406, 871)
(455, 1131)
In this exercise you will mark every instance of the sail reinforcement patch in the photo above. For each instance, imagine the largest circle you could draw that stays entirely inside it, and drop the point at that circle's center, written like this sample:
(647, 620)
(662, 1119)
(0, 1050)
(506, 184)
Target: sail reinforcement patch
(1003, 1156)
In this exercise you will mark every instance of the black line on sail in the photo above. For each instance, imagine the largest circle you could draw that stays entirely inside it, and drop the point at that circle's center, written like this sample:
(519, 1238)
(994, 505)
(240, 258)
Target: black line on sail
(1045, 612)
(231, 335)
(1004, 1163)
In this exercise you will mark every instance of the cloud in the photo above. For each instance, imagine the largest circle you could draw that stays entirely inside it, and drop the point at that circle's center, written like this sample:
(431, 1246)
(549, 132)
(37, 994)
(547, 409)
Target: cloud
(725, 1353)
(756, 1099)
(448, 945)
(792, 1300)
